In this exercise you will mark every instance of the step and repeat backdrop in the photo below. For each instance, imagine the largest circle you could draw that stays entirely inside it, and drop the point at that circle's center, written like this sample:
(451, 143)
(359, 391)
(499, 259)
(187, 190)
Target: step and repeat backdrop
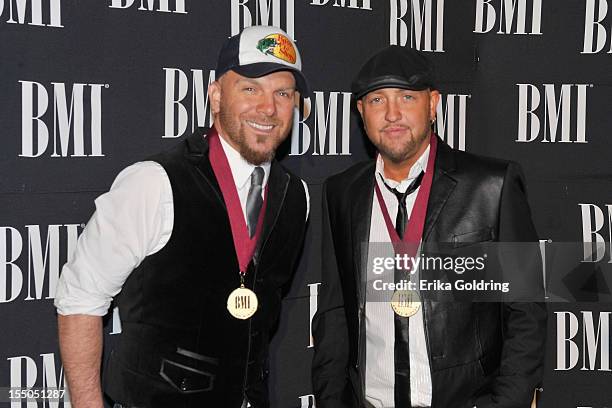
(89, 87)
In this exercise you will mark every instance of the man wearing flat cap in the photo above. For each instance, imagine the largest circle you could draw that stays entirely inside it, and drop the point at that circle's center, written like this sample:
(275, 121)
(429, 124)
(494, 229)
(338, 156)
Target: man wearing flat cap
(418, 190)
(196, 245)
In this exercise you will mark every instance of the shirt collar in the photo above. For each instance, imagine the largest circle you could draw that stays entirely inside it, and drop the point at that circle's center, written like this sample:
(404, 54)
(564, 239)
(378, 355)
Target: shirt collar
(242, 169)
(415, 170)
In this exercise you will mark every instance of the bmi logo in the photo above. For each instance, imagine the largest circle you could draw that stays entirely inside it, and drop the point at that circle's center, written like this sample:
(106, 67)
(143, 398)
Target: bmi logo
(186, 100)
(594, 218)
(71, 114)
(417, 24)
(32, 12)
(115, 325)
(451, 115)
(593, 345)
(596, 38)
(313, 302)
(354, 4)
(163, 6)
(33, 269)
(307, 401)
(511, 16)
(44, 371)
(329, 131)
(246, 13)
(552, 113)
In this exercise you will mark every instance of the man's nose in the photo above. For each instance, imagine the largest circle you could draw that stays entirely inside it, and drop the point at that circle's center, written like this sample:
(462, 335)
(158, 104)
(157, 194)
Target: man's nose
(266, 104)
(393, 112)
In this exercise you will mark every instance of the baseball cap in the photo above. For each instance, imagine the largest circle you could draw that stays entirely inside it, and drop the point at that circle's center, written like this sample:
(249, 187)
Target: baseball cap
(394, 67)
(259, 51)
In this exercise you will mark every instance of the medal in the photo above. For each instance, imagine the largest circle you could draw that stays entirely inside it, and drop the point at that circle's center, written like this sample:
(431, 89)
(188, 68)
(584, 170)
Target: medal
(405, 303)
(242, 303)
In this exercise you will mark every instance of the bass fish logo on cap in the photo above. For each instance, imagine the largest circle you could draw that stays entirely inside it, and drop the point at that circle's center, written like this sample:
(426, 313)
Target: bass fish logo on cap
(279, 46)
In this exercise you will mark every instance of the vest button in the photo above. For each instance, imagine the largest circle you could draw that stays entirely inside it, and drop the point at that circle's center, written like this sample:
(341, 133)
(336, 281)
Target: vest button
(184, 384)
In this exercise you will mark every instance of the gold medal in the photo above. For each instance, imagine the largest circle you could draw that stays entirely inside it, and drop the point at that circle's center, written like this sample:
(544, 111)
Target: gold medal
(242, 303)
(405, 303)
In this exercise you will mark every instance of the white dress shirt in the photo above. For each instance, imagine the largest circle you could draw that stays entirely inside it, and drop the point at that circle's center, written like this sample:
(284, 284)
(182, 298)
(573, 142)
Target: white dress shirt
(132, 220)
(380, 327)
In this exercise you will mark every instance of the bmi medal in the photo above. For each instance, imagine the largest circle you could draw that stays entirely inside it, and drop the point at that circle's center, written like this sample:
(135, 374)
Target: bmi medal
(405, 303)
(242, 303)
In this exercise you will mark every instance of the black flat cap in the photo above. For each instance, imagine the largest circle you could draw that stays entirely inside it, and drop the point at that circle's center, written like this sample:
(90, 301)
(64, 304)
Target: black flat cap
(394, 67)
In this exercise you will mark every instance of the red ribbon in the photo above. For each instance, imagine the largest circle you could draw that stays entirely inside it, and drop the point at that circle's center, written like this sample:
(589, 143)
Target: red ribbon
(243, 244)
(416, 223)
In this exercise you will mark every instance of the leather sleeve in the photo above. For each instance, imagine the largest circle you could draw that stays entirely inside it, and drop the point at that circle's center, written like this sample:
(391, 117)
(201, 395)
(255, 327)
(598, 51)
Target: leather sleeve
(524, 322)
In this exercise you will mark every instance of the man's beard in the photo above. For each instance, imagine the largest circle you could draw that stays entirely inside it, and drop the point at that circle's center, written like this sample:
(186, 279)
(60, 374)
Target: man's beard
(403, 152)
(235, 131)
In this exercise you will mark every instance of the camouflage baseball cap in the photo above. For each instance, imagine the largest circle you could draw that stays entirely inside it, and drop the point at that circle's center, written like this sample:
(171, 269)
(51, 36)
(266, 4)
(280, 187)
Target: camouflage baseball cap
(259, 51)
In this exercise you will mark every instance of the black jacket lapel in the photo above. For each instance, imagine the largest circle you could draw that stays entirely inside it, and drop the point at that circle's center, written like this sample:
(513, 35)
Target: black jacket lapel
(442, 187)
(278, 183)
(361, 215)
(197, 154)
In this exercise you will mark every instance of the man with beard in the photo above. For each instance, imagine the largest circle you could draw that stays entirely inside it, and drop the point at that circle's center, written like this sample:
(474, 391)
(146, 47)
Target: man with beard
(383, 352)
(196, 245)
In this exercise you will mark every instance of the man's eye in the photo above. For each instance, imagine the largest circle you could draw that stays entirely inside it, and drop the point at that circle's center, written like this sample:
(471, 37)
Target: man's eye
(248, 89)
(408, 97)
(375, 100)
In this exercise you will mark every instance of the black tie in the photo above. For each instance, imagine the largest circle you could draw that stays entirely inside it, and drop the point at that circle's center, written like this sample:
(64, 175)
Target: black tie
(402, 327)
(402, 213)
(254, 200)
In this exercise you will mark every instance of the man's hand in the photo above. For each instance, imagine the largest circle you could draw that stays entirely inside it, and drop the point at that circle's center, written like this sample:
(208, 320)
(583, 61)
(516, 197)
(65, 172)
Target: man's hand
(80, 339)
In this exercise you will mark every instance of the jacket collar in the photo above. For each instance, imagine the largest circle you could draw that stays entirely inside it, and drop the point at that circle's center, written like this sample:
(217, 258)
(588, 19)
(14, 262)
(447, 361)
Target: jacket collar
(443, 185)
(361, 215)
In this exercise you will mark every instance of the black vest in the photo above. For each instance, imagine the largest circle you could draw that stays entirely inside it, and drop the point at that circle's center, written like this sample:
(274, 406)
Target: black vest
(179, 345)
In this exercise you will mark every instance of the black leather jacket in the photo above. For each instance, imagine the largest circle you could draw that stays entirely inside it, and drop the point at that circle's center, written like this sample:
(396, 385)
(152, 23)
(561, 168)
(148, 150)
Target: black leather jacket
(484, 354)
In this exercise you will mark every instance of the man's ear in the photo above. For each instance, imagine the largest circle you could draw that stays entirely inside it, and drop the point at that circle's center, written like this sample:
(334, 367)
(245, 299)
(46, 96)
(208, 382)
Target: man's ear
(360, 107)
(434, 98)
(214, 95)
